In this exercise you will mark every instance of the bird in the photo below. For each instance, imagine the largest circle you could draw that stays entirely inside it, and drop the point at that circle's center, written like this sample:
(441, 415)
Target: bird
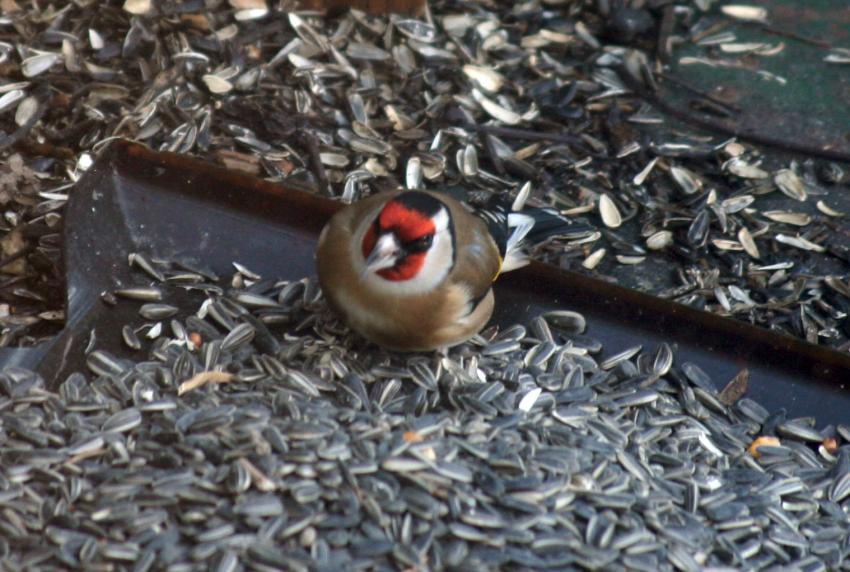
(412, 270)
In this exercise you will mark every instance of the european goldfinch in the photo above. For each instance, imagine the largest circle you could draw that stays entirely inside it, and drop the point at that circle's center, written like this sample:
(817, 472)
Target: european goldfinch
(413, 270)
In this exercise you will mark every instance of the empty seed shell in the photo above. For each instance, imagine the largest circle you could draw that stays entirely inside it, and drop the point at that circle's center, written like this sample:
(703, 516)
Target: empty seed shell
(790, 184)
(609, 212)
(748, 243)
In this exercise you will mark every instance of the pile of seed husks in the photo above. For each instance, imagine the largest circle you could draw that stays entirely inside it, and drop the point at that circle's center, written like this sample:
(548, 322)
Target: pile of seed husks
(259, 434)
(487, 96)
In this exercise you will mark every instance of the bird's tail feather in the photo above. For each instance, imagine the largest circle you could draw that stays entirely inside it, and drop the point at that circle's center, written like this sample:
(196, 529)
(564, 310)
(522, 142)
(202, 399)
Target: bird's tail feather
(549, 223)
(516, 226)
(535, 225)
(519, 225)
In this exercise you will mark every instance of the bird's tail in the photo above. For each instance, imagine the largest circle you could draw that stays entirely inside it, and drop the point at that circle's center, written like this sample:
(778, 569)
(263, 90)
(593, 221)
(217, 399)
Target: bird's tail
(515, 227)
(514, 255)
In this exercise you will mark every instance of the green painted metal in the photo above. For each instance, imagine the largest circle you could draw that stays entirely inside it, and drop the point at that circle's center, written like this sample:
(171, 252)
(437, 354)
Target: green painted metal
(793, 95)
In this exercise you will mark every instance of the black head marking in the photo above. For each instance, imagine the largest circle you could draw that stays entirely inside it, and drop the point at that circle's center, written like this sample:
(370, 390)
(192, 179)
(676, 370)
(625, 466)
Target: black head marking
(419, 245)
(422, 202)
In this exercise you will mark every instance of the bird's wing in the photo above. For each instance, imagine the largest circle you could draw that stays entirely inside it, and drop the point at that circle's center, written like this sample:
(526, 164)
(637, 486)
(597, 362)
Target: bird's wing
(513, 231)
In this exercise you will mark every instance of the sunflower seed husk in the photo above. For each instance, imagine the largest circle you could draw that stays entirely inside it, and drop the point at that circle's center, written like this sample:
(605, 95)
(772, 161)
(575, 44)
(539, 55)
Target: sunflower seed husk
(790, 184)
(745, 12)
(799, 242)
(609, 212)
(38, 64)
(827, 210)
(797, 219)
(660, 240)
(147, 294)
(748, 243)
(346, 450)
(155, 312)
(686, 180)
(138, 7)
(130, 338)
(422, 99)
(10, 98)
(594, 258)
(275, 459)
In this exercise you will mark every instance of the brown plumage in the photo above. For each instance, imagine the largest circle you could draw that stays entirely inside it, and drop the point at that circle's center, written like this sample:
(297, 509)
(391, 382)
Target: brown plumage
(450, 299)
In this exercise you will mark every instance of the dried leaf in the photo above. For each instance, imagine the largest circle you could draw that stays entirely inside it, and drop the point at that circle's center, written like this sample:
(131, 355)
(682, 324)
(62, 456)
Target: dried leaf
(238, 161)
(12, 244)
(9, 7)
(735, 389)
(204, 378)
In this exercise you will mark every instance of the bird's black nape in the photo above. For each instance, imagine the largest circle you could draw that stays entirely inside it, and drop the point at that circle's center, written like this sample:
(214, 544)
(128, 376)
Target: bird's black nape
(419, 201)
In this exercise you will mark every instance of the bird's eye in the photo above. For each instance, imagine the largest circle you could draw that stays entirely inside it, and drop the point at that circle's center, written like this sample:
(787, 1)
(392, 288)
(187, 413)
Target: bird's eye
(420, 244)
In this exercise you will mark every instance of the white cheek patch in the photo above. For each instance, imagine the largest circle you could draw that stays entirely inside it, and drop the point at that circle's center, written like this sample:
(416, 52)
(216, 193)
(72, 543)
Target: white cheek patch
(441, 221)
(438, 261)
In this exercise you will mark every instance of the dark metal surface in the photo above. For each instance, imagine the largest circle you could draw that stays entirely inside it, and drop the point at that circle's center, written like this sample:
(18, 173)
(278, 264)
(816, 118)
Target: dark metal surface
(799, 104)
(805, 379)
(164, 205)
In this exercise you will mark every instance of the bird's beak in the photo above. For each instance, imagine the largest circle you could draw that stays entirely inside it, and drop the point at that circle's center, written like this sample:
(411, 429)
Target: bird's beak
(384, 254)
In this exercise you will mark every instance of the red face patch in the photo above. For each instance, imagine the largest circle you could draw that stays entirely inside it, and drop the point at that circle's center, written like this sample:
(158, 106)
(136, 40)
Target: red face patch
(406, 269)
(408, 225)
